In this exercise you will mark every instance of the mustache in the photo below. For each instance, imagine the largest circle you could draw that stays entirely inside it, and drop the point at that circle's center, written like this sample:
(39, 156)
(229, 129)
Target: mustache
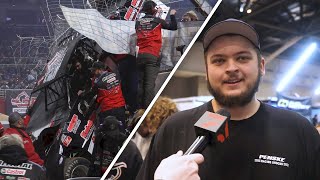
(232, 76)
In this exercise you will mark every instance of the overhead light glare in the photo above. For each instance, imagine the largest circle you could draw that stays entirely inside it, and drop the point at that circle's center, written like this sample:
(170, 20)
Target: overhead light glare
(299, 63)
(317, 91)
(242, 7)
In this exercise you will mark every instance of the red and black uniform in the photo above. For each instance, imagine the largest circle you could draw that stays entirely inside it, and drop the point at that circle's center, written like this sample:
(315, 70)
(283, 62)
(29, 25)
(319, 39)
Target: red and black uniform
(148, 30)
(27, 142)
(149, 40)
(110, 97)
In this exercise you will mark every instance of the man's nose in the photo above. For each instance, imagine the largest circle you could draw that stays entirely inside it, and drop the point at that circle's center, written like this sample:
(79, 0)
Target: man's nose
(231, 66)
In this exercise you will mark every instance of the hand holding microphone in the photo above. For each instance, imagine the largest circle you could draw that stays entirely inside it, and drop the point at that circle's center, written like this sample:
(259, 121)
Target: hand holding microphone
(179, 167)
(211, 128)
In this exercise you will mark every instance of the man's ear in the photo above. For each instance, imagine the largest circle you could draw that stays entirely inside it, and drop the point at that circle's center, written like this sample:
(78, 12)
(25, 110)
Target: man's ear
(262, 66)
(21, 122)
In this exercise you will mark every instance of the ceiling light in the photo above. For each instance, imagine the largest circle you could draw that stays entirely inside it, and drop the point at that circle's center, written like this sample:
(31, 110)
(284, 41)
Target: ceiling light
(317, 91)
(242, 7)
(299, 63)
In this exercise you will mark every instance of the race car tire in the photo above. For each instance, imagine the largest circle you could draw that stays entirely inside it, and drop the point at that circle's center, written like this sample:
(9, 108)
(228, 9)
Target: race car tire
(76, 167)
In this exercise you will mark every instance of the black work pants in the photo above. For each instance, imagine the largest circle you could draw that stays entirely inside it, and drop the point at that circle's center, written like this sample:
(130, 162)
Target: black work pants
(129, 82)
(148, 67)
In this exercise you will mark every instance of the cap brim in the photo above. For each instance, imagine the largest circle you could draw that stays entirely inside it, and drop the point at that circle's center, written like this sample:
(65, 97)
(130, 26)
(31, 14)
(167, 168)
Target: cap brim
(231, 26)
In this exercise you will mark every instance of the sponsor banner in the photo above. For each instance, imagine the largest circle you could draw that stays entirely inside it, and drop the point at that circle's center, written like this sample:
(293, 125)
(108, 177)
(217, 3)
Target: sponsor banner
(300, 105)
(10, 171)
(179, 38)
(23, 165)
(18, 100)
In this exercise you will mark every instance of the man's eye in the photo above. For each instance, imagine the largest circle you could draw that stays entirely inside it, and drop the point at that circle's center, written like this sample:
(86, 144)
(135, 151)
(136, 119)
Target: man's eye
(217, 61)
(243, 58)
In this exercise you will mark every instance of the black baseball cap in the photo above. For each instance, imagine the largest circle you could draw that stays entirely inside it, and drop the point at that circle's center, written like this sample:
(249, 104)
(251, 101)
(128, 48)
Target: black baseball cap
(97, 65)
(231, 26)
(148, 7)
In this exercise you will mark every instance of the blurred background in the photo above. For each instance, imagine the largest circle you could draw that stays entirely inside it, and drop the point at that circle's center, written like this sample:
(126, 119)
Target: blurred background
(289, 30)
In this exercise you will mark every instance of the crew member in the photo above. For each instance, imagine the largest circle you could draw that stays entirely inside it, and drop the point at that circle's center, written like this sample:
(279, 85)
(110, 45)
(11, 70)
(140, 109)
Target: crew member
(149, 41)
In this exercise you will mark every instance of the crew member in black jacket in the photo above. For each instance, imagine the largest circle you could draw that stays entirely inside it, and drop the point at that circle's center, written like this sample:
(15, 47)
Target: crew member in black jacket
(14, 160)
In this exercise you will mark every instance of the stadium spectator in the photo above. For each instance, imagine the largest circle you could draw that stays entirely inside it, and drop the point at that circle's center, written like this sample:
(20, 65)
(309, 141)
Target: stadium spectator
(17, 72)
(189, 16)
(161, 110)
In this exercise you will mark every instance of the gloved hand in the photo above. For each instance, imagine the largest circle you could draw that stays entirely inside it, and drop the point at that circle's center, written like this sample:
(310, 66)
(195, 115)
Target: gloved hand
(179, 167)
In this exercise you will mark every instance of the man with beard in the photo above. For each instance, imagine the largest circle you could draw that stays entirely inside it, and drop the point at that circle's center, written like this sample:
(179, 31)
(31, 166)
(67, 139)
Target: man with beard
(80, 80)
(264, 142)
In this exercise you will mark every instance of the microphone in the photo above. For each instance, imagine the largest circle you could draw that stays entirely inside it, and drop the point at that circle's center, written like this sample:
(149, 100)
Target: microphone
(210, 128)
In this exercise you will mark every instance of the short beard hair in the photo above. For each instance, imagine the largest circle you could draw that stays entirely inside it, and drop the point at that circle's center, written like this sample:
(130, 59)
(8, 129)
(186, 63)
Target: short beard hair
(235, 101)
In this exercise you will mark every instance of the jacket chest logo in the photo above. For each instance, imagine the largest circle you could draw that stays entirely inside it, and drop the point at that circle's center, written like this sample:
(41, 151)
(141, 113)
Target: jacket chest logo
(273, 160)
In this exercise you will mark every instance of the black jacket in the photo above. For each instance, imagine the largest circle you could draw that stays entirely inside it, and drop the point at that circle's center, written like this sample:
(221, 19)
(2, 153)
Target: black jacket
(272, 144)
(14, 162)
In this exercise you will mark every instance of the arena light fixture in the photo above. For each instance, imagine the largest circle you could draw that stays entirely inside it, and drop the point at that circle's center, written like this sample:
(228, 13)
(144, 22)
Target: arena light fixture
(242, 7)
(299, 63)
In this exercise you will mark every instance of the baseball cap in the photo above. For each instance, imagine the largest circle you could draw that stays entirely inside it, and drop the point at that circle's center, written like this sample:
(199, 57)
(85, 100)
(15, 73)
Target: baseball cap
(14, 117)
(97, 65)
(148, 6)
(111, 129)
(231, 26)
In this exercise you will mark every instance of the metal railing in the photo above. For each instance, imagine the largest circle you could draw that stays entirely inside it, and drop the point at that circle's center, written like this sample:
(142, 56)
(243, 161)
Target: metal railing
(3, 91)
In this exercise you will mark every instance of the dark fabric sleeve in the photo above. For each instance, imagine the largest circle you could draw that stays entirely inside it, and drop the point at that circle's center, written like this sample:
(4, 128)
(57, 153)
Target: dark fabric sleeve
(170, 26)
(312, 141)
(176, 133)
(309, 139)
(317, 167)
(133, 160)
(137, 164)
(42, 175)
